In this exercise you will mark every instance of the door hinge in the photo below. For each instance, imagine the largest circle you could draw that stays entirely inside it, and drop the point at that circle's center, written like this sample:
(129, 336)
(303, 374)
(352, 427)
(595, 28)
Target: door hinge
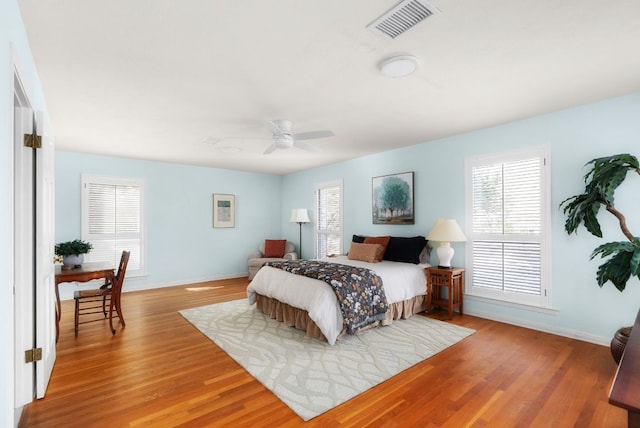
(33, 141)
(33, 355)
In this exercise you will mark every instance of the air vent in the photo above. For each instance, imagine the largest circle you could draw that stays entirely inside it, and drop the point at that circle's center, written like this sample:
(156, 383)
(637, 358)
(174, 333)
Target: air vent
(404, 16)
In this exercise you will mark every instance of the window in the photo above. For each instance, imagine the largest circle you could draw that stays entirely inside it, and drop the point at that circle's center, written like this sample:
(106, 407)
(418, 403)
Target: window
(507, 226)
(328, 197)
(112, 220)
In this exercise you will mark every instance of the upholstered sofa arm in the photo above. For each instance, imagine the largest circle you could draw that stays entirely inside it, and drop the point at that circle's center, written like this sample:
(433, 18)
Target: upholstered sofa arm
(290, 256)
(255, 255)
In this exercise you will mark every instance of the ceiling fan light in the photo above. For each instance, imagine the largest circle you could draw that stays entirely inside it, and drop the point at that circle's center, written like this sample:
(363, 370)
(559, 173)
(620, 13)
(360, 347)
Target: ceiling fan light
(283, 142)
(399, 66)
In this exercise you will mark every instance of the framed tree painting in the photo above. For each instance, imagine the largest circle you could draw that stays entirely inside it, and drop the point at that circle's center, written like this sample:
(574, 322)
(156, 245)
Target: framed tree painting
(224, 210)
(392, 199)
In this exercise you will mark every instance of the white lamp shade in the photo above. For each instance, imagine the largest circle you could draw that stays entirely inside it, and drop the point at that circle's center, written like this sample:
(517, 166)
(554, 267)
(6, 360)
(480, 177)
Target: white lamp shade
(446, 230)
(299, 215)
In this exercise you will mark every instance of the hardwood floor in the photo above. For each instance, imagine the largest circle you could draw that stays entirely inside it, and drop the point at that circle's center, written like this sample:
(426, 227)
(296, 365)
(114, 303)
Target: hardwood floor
(160, 371)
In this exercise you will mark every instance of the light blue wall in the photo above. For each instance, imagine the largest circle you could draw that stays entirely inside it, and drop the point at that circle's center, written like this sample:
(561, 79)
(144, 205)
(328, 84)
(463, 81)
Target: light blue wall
(575, 136)
(178, 203)
(14, 49)
(182, 245)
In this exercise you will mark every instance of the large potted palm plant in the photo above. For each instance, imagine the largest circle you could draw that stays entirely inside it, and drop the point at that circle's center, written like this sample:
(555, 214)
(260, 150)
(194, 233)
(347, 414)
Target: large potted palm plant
(622, 257)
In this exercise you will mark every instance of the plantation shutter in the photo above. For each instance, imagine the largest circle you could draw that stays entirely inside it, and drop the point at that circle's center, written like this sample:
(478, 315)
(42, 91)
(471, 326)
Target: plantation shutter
(328, 219)
(507, 239)
(112, 221)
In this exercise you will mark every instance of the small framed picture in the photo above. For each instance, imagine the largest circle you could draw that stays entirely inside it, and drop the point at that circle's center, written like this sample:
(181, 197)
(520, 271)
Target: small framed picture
(224, 210)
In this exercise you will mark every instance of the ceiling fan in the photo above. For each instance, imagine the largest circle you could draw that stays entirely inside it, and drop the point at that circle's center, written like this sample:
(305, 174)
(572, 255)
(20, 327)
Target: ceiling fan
(284, 139)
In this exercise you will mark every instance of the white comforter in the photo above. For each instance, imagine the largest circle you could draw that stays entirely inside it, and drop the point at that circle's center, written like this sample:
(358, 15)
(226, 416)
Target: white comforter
(401, 281)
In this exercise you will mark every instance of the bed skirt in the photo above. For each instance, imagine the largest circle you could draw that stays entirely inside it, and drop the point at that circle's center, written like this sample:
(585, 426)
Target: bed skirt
(299, 318)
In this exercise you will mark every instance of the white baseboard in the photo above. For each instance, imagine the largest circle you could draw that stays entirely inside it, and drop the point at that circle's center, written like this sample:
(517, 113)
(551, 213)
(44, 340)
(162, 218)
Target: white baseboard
(138, 287)
(573, 334)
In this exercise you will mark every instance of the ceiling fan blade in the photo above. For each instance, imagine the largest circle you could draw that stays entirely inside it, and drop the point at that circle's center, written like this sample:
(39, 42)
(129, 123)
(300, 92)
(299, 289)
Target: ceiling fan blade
(270, 149)
(305, 146)
(242, 138)
(313, 134)
(273, 128)
(210, 141)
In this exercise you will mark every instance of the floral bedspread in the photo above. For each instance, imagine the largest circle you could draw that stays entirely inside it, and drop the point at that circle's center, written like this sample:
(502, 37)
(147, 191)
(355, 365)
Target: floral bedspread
(359, 290)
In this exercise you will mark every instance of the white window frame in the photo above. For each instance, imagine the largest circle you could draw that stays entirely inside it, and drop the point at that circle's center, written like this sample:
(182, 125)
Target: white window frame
(115, 181)
(544, 299)
(318, 233)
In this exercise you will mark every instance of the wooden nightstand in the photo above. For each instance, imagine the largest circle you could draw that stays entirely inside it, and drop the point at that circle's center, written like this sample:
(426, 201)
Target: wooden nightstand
(440, 279)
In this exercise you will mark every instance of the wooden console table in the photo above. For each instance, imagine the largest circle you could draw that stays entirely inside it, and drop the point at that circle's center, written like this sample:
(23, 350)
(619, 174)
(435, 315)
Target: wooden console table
(625, 390)
(86, 272)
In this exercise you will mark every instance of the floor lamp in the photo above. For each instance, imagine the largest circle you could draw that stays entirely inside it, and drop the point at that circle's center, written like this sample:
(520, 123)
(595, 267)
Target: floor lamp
(299, 215)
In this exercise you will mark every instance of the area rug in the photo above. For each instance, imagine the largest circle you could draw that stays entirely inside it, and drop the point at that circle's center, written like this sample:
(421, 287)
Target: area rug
(311, 376)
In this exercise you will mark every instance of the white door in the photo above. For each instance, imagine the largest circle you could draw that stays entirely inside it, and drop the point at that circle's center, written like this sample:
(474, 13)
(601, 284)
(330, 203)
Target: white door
(45, 245)
(34, 271)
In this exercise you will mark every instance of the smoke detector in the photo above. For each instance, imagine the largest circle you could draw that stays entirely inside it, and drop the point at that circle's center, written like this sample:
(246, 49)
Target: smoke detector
(399, 66)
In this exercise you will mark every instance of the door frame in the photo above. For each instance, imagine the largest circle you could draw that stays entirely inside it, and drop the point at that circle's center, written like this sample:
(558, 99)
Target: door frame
(21, 302)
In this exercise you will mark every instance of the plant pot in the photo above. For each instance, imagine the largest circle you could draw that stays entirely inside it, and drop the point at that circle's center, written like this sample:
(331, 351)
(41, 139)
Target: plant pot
(619, 342)
(74, 260)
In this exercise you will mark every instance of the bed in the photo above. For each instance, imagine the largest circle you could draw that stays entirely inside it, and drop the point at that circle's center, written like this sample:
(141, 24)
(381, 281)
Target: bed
(316, 309)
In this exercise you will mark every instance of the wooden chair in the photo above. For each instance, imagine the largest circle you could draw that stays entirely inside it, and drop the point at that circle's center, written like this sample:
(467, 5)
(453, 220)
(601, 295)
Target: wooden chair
(95, 301)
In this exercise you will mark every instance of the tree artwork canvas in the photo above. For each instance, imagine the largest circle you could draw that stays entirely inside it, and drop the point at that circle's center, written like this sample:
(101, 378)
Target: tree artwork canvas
(392, 199)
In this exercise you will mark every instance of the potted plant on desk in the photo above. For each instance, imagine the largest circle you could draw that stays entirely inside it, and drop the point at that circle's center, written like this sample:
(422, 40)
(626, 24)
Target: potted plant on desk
(73, 252)
(623, 261)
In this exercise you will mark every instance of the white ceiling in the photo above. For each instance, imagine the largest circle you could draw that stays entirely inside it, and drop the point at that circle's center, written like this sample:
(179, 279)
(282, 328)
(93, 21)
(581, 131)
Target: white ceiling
(152, 79)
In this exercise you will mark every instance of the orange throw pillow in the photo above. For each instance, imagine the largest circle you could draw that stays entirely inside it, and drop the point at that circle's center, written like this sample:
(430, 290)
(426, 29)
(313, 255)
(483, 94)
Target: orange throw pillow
(382, 240)
(371, 253)
(274, 248)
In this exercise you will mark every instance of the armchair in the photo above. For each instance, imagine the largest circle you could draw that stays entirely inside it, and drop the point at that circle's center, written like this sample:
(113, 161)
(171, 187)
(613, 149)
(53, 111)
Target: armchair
(257, 259)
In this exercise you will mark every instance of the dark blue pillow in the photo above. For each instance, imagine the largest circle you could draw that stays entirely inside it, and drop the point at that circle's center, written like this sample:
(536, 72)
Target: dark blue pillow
(406, 250)
(358, 238)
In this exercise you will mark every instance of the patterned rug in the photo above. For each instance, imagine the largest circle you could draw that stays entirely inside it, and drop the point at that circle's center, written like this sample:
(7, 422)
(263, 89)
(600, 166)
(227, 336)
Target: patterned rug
(310, 376)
